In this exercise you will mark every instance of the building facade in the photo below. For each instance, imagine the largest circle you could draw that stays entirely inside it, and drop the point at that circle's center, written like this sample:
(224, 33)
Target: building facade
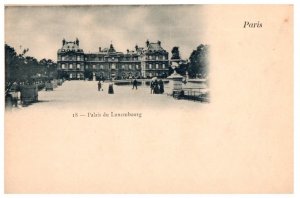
(70, 60)
(107, 63)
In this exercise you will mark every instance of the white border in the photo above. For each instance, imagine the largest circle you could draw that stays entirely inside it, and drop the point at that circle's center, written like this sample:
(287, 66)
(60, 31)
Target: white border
(80, 2)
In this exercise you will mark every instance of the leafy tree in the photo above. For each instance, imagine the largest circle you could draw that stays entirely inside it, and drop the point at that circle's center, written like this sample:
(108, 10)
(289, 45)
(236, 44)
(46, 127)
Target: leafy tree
(171, 70)
(182, 68)
(11, 60)
(49, 68)
(62, 74)
(199, 62)
(88, 74)
(19, 67)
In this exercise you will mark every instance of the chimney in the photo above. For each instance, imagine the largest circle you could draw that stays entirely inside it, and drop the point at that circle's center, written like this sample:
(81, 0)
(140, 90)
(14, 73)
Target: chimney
(127, 51)
(159, 43)
(147, 43)
(63, 42)
(99, 49)
(77, 42)
(136, 47)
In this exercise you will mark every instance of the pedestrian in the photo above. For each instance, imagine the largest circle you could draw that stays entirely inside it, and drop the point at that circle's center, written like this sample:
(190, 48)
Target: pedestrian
(8, 101)
(155, 87)
(110, 89)
(14, 95)
(134, 84)
(99, 85)
(161, 86)
(151, 86)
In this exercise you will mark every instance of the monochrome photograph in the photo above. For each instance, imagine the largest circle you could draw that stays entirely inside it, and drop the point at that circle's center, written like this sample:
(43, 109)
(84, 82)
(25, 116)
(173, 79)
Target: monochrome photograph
(96, 53)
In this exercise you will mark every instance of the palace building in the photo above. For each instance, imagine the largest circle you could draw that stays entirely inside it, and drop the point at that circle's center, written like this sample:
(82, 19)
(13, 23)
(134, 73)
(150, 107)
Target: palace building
(142, 62)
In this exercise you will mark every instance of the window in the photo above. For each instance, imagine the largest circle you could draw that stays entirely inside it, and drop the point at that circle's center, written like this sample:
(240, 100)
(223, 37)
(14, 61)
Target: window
(70, 66)
(101, 66)
(156, 57)
(63, 66)
(156, 66)
(78, 58)
(150, 57)
(113, 66)
(78, 75)
(150, 66)
(129, 66)
(123, 66)
(63, 58)
(137, 66)
(164, 58)
(163, 66)
(78, 66)
(94, 66)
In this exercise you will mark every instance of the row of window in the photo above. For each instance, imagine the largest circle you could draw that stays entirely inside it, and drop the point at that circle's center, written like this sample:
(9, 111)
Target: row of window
(63, 58)
(148, 66)
(151, 74)
(73, 75)
(63, 66)
(71, 66)
(156, 66)
(111, 59)
(113, 66)
(80, 58)
(156, 57)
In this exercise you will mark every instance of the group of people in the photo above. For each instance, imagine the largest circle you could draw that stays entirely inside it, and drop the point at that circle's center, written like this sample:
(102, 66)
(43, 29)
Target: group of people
(110, 87)
(157, 86)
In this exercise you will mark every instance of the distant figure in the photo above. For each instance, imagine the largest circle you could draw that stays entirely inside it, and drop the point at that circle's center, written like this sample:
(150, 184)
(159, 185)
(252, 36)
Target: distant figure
(14, 95)
(161, 86)
(110, 89)
(99, 85)
(134, 84)
(8, 101)
(155, 87)
(151, 86)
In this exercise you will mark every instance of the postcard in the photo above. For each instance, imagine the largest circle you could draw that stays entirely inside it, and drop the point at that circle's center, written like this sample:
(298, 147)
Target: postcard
(148, 99)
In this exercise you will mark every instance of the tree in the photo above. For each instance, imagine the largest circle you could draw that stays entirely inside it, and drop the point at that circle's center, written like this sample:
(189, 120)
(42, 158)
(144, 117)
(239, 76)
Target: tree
(48, 67)
(199, 62)
(182, 68)
(15, 65)
(10, 61)
(19, 67)
(88, 74)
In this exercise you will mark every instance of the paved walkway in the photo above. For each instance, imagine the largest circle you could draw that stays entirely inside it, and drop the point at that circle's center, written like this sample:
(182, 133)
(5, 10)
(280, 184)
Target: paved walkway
(85, 94)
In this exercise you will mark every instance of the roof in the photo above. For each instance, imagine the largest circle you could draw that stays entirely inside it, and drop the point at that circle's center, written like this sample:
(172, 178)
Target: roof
(139, 50)
(155, 47)
(131, 52)
(70, 46)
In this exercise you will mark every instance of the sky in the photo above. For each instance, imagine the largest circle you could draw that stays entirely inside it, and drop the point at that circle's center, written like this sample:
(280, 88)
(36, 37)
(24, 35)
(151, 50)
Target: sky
(42, 28)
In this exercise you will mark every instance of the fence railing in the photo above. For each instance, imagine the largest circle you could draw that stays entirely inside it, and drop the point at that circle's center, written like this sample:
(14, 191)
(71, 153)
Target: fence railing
(195, 94)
